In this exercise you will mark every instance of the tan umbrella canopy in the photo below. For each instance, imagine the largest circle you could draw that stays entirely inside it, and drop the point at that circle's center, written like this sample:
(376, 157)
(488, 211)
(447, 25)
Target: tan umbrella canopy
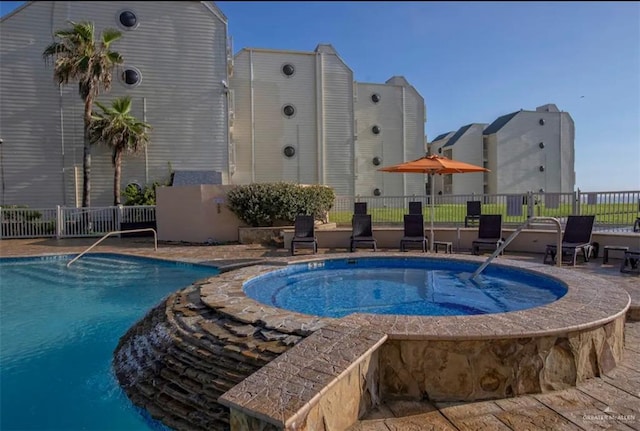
(432, 165)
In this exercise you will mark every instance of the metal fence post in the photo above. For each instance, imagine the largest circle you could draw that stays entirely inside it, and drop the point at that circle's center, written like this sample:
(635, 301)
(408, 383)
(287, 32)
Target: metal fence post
(59, 222)
(119, 211)
(530, 204)
(575, 208)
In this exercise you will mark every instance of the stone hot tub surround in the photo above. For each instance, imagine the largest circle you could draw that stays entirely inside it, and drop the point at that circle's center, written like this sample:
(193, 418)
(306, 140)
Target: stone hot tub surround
(439, 358)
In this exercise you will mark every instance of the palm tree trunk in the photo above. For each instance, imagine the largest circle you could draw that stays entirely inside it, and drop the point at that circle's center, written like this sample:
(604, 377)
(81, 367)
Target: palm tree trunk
(117, 164)
(86, 160)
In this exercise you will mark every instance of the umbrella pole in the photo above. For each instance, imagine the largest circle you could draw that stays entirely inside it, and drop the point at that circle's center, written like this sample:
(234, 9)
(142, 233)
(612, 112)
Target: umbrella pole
(432, 186)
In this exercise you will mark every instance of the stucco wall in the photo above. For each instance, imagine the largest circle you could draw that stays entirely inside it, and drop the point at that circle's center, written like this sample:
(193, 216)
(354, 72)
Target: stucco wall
(195, 214)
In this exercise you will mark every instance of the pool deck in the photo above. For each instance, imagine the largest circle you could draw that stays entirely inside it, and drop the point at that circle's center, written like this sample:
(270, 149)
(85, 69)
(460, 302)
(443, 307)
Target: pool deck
(608, 402)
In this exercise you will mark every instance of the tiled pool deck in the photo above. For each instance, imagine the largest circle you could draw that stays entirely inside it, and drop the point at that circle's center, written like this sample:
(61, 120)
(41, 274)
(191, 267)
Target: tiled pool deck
(609, 402)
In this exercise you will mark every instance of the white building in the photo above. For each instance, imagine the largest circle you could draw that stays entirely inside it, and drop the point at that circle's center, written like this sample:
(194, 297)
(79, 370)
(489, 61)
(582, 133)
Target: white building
(176, 62)
(261, 116)
(524, 150)
(299, 116)
(390, 120)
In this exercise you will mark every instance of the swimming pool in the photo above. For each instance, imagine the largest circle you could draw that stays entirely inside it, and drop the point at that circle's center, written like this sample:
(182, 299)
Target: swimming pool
(400, 286)
(59, 329)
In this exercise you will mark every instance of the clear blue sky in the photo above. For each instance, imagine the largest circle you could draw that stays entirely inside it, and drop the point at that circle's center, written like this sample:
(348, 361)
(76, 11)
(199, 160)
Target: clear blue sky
(475, 61)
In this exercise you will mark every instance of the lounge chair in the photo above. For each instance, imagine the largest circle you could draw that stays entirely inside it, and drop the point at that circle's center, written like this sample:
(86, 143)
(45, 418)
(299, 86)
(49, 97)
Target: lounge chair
(474, 208)
(414, 232)
(415, 207)
(304, 234)
(489, 233)
(360, 208)
(575, 239)
(361, 232)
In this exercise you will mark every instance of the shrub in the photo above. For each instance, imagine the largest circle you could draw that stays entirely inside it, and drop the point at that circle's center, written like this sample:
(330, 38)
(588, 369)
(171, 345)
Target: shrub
(134, 195)
(268, 203)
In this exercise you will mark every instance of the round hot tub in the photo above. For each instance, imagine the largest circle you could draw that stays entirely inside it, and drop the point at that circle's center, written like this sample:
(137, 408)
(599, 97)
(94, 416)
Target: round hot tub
(402, 286)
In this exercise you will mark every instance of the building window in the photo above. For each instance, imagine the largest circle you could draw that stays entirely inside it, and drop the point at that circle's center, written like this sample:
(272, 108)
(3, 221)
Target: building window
(375, 130)
(127, 20)
(288, 69)
(541, 122)
(377, 160)
(377, 192)
(289, 151)
(289, 111)
(131, 76)
(375, 98)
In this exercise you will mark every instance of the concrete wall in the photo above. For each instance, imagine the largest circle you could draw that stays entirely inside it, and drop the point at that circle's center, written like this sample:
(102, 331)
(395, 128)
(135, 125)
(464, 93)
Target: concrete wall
(195, 214)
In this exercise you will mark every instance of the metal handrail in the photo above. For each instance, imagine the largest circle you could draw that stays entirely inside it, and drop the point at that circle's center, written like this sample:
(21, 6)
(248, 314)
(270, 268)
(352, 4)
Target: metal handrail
(155, 241)
(512, 237)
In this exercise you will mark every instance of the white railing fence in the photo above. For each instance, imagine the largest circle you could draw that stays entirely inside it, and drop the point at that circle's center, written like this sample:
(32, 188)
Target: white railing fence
(63, 222)
(613, 210)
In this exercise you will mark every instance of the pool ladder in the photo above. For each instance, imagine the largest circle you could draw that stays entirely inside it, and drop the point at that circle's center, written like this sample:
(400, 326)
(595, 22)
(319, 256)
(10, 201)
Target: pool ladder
(515, 234)
(147, 229)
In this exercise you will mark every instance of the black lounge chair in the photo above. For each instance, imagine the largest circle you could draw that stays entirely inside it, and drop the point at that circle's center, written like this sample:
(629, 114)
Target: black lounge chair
(414, 231)
(489, 233)
(362, 232)
(360, 208)
(576, 239)
(305, 234)
(415, 207)
(474, 208)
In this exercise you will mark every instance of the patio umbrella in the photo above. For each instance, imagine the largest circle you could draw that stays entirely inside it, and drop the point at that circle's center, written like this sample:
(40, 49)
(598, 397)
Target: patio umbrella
(432, 165)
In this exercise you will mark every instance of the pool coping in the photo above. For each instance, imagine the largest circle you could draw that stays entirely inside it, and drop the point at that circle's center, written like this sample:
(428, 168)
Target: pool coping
(589, 302)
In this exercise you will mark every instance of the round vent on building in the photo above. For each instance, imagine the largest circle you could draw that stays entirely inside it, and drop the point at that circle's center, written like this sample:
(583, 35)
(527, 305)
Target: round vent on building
(541, 121)
(131, 76)
(375, 98)
(375, 130)
(133, 187)
(289, 151)
(289, 111)
(377, 160)
(377, 192)
(127, 20)
(541, 168)
(288, 69)
(541, 144)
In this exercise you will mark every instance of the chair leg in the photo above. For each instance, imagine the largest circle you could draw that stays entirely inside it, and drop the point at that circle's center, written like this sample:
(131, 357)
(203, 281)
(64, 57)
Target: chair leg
(293, 249)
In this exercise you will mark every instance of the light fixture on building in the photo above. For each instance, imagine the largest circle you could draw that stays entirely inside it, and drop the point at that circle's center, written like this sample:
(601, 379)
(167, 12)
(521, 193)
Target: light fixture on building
(541, 168)
(541, 121)
(541, 145)
(375, 130)
(377, 192)
(377, 160)
(375, 98)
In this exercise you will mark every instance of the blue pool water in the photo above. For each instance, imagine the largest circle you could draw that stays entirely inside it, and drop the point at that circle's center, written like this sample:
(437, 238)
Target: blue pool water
(59, 327)
(425, 287)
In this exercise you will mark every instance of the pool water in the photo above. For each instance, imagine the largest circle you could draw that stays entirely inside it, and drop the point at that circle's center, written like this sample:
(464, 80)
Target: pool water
(59, 327)
(423, 287)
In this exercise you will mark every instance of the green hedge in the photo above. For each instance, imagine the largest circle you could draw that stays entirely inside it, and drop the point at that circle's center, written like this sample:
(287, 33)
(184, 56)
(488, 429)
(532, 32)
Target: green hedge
(265, 204)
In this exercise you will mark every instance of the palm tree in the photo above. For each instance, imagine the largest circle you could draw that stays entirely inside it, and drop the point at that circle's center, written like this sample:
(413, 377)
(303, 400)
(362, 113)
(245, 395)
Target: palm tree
(78, 57)
(121, 131)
